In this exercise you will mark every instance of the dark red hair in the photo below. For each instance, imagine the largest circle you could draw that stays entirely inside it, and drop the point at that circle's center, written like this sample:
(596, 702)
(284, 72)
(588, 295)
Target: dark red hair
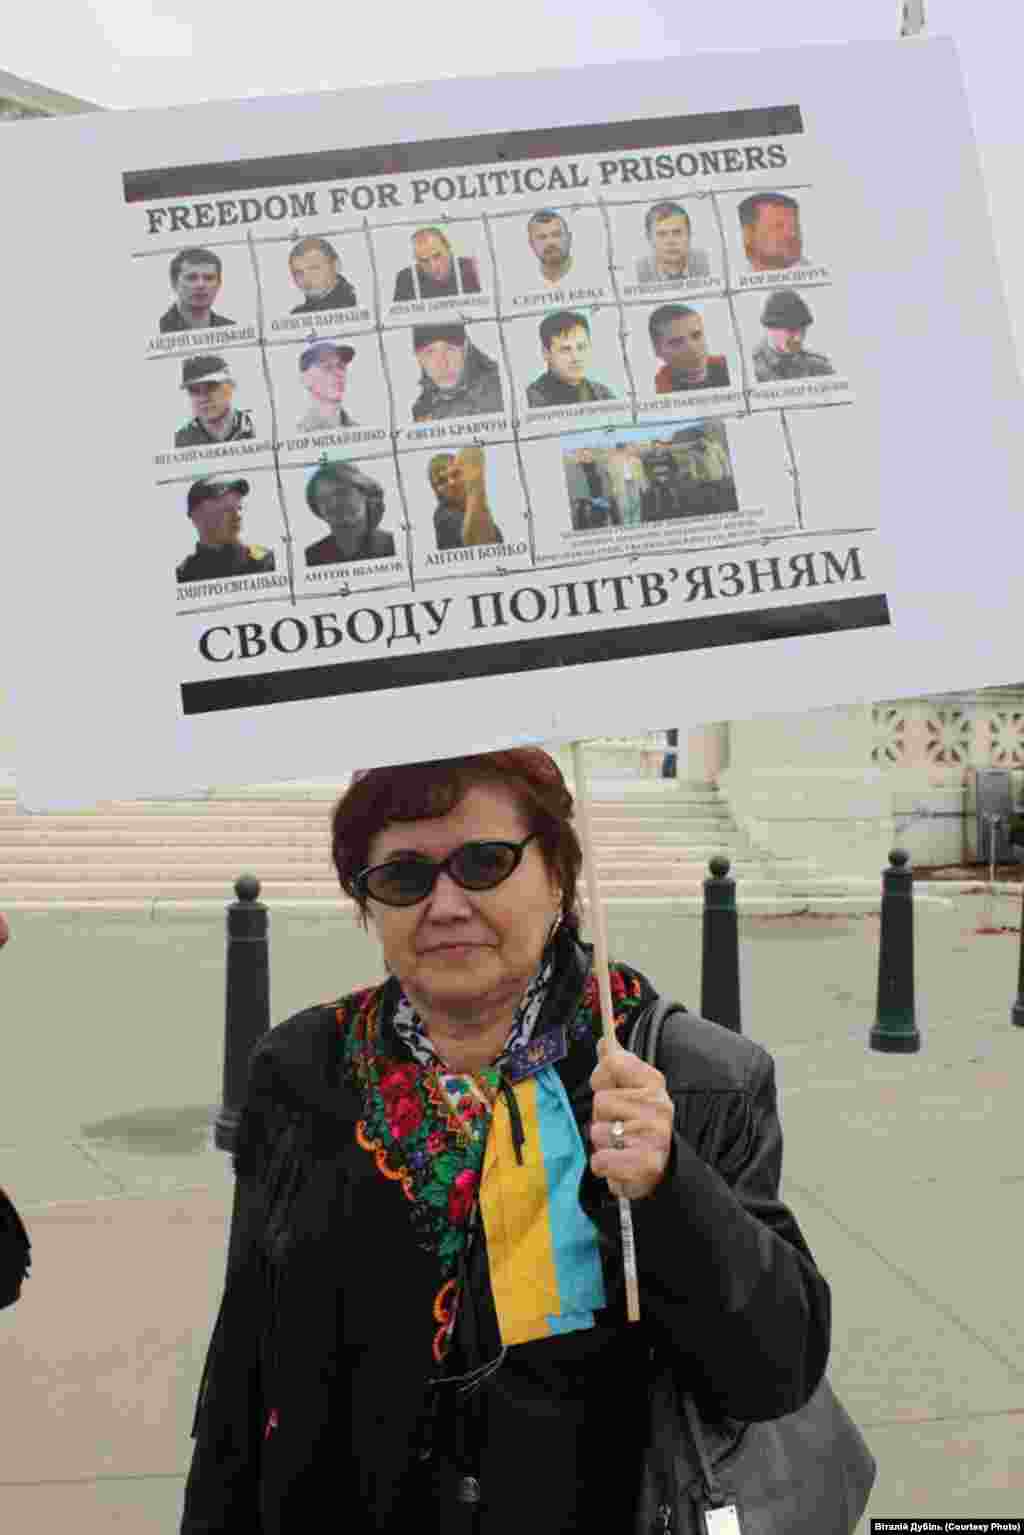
(416, 791)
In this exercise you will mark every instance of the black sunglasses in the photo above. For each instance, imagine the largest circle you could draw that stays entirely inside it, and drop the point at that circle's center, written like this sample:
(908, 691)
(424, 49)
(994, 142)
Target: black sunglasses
(473, 866)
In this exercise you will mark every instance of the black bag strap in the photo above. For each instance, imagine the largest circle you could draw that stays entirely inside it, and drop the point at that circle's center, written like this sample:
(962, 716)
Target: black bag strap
(644, 1040)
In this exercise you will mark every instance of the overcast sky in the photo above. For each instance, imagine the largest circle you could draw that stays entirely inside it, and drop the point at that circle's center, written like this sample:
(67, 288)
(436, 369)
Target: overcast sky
(131, 53)
(157, 53)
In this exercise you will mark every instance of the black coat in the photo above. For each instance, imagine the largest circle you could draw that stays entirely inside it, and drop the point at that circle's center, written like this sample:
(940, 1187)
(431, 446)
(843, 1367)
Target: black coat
(207, 563)
(173, 320)
(322, 1243)
(549, 389)
(326, 552)
(195, 435)
(429, 287)
(341, 296)
(478, 392)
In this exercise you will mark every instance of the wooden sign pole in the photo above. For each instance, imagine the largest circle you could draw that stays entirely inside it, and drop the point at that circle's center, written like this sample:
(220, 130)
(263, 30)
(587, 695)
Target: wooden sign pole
(600, 937)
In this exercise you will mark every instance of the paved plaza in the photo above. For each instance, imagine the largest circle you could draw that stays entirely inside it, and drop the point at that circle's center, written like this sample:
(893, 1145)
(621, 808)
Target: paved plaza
(905, 1171)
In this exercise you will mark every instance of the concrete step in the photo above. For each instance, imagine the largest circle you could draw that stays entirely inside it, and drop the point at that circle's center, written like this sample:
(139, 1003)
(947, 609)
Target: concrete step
(618, 790)
(182, 865)
(38, 841)
(602, 787)
(46, 846)
(176, 864)
(165, 909)
(142, 810)
(56, 893)
(679, 816)
(287, 833)
(624, 808)
(685, 834)
(639, 804)
(652, 842)
(163, 855)
(303, 815)
(199, 815)
(164, 834)
(98, 891)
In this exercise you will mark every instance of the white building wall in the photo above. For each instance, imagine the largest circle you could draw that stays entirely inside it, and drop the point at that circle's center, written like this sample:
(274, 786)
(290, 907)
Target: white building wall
(843, 786)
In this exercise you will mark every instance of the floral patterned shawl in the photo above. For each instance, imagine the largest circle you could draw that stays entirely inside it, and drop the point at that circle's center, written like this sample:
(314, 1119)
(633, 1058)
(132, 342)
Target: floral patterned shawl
(428, 1130)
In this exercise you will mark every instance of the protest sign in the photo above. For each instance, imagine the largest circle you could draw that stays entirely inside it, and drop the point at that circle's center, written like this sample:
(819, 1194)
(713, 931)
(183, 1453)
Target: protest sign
(353, 423)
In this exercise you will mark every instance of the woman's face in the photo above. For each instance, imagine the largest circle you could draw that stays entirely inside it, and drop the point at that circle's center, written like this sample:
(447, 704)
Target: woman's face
(458, 949)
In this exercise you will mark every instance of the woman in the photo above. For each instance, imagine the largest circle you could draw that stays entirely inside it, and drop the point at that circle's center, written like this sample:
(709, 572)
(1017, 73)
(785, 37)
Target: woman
(352, 505)
(423, 1323)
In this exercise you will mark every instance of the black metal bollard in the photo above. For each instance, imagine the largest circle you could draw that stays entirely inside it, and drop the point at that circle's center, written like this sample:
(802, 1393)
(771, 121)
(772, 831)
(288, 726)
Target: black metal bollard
(720, 956)
(1017, 1010)
(247, 1001)
(895, 1029)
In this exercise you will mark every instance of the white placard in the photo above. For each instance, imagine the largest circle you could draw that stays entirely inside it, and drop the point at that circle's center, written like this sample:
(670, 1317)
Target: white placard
(533, 432)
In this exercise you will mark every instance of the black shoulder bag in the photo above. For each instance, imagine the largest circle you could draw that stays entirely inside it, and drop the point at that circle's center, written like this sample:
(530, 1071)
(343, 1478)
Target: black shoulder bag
(15, 1248)
(809, 1473)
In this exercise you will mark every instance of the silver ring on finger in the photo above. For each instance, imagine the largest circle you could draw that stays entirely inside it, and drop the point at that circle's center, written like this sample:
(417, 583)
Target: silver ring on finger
(618, 1134)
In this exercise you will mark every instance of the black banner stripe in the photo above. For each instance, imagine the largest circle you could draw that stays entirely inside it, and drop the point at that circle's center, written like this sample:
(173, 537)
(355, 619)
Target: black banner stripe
(451, 154)
(343, 679)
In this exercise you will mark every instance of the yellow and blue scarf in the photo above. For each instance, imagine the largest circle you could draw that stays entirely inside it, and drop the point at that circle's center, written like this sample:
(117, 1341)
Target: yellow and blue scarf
(500, 1146)
(541, 1246)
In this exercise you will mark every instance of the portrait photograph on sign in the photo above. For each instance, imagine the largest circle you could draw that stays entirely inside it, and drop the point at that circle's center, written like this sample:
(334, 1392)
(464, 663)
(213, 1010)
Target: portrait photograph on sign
(441, 268)
(777, 234)
(215, 406)
(231, 522)
(796, 345)
(568, 367)
(552, 257)
(686, 350)
(666, 246)
(358, 508)
(200, 293)
(468, 513)
(317, 283)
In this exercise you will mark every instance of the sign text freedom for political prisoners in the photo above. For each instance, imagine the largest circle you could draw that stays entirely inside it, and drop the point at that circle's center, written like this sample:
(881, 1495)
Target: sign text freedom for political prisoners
(466, 186)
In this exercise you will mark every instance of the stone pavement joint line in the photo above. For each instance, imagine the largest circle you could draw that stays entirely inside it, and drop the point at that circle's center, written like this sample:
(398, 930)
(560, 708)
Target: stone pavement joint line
(913, 1284)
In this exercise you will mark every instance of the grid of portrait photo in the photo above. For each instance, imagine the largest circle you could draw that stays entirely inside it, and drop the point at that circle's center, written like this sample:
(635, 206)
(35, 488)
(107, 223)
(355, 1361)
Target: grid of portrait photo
(352, 406)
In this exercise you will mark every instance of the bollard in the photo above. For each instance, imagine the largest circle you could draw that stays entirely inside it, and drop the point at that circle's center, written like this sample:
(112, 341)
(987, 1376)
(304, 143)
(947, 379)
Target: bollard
(247, 1001)
(1017, 1010)
(895, 1029)
(720, 959)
